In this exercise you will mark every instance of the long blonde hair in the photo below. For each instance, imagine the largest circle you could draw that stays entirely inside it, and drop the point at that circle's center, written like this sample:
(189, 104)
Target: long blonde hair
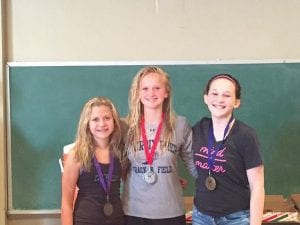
(84, 145)
(137, 110)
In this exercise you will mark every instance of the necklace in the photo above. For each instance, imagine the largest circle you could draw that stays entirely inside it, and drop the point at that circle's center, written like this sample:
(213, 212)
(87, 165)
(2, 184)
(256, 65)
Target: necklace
(210, 181)
(150, 176)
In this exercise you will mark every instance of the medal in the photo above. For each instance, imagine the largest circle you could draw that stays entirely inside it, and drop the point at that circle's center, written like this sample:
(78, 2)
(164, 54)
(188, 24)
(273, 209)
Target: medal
(150, 176)
(108, 208)
(210, 183)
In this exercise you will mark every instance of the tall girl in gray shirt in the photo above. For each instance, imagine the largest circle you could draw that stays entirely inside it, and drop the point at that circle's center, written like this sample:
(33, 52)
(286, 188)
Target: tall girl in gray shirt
(156, 137)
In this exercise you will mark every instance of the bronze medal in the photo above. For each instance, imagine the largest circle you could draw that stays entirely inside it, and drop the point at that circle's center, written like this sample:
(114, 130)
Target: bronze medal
(210, 183)
(108, 209)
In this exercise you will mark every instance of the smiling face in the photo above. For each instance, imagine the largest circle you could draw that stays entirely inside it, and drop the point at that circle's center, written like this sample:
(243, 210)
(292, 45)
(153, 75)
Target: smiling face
(221, 98)
(101, 123)
(152, 91)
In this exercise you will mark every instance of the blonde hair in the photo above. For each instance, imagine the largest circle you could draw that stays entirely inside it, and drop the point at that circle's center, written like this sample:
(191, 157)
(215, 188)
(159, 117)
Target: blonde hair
(84, 146)
(136, 109)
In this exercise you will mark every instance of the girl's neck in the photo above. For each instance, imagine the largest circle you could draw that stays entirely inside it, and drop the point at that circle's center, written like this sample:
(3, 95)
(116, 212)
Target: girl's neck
(152, 116)
(219, 125)
(102, 154)
(102, 145)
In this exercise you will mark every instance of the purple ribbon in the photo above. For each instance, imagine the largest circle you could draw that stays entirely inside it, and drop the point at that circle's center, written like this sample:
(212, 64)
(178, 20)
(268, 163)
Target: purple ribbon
(212, 156)
(103, 184)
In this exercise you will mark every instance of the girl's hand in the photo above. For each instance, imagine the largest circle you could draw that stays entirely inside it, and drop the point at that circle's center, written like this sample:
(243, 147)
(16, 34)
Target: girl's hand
(183, 182)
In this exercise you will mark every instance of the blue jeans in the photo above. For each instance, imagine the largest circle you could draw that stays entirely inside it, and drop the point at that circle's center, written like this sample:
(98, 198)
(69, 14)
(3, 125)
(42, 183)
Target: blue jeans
(237, 218)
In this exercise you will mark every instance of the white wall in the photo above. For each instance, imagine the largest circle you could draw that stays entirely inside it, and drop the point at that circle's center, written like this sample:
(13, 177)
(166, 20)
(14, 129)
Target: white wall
(2, 122)
(42, 30)
(100, 30)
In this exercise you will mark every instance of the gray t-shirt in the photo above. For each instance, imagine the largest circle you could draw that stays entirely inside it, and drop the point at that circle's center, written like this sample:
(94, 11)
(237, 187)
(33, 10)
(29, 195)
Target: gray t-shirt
(162, 199)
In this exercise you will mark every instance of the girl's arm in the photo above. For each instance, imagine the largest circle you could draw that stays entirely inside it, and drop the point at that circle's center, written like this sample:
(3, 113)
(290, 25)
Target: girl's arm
(256, 181)
(69, 180)
(186, 152)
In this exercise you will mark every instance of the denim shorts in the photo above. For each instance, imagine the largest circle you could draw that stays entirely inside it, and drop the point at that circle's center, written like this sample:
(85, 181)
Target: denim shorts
(236, 218)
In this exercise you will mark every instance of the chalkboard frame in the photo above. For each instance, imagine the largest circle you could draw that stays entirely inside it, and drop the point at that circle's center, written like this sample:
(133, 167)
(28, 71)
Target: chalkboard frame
(12, 65)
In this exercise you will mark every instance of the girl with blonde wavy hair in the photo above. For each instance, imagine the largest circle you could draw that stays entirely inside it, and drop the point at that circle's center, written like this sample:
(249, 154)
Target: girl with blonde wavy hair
(93, 165)
(155, 139)
(136, 107)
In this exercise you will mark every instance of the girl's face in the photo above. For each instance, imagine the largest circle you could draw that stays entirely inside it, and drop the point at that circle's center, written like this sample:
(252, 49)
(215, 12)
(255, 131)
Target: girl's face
(221, 99)
(152, 91)
(101, 124)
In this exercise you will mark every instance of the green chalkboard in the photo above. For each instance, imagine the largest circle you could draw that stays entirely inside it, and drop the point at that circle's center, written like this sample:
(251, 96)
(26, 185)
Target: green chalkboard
(44, 104)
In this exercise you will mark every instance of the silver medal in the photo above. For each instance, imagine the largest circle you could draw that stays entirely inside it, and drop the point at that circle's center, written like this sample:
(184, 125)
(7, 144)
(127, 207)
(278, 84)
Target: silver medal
(150, 177)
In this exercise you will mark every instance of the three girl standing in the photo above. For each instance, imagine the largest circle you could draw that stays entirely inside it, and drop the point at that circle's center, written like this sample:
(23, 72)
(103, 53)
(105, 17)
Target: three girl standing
(226, 154)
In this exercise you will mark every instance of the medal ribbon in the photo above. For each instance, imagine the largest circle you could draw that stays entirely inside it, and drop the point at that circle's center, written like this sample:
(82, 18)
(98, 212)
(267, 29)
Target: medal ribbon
(105, 186)
(211, 154)
(150, 153)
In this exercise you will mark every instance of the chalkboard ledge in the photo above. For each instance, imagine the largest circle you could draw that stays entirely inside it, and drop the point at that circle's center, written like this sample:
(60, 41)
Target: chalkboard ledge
(34, 212)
